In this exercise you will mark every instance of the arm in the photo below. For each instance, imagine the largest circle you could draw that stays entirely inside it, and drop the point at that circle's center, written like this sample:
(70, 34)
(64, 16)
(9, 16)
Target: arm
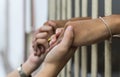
(61, 23)
(91, 31)
(28, 67)
(36, 58)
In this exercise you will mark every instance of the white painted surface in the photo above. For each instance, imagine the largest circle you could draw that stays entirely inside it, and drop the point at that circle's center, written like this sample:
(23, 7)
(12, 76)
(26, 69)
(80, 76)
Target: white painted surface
(40, 12)
(16, 28)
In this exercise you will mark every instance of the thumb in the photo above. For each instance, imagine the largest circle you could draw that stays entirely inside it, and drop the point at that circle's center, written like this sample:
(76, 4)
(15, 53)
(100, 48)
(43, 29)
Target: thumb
(68, 37)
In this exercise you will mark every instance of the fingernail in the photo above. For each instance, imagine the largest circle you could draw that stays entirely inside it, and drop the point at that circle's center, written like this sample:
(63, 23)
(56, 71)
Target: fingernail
(69, 28)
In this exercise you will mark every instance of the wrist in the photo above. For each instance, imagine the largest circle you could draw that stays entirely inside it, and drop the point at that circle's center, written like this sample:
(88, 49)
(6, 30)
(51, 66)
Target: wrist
(114, 23)
(28, 67)
(49, 70)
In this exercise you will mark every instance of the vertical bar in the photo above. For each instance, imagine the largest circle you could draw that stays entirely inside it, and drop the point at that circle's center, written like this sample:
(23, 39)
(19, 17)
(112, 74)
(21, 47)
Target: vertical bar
(77, 53)
(58, 9)
(108, 11)
(84, 8)
(84, 48)
(84, 61)
(58, 16)
(64, 8)
(63, 17)
(52, 9)
(32, 15)
(69, 9)
(25, 35)
(77, 8)
(6, 60)
(69, 15)
(77, 63)
(94, 46)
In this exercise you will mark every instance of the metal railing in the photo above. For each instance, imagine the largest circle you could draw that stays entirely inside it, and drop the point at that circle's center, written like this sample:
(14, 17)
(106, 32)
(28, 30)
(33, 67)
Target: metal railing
(77, 66)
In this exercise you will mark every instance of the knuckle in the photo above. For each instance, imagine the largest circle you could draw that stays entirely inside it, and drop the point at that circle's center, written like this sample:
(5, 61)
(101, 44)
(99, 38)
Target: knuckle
(69, 23)
(45, 33)
(50, 28)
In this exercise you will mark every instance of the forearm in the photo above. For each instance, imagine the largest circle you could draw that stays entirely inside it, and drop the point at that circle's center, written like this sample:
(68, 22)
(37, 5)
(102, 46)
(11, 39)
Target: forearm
(114, 23)
(61, 23)
(49, 70)
(27, 68)
(14, 74)
(52, 69)
(79, 18)
(94, 30)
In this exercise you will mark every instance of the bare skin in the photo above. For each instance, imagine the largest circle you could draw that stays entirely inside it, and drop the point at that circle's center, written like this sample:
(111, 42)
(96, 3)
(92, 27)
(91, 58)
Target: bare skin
(51, 65)
(91, 31)
(54, 62)
(49, 29)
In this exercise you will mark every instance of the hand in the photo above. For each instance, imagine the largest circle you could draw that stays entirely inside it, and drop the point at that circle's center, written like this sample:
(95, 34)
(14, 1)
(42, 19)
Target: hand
(58, 56)
(55, 36)
(40, 41)
(61, 50)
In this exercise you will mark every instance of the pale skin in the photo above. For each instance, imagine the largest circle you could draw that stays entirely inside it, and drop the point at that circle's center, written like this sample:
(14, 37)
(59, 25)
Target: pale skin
(84, 29)
(50, 62)
(54, 62)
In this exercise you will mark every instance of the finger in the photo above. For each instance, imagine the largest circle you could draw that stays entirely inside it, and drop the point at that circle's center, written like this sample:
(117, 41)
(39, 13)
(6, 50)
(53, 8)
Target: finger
(41, 35)
(38, 52)
(68, 37)
(42, 42)
(46, 28)
(51, 23)
(59, 30)
(53, 39)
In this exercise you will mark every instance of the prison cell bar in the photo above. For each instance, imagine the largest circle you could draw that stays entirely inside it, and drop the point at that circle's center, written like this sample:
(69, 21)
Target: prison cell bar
(77, 53)
(51, 9)
(69, 15)
(63, 17)
(84, 48)
(108, 72)
(58, 16)
(94, 46)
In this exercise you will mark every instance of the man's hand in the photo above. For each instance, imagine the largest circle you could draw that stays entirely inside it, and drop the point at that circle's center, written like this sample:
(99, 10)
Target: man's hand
(87, 32)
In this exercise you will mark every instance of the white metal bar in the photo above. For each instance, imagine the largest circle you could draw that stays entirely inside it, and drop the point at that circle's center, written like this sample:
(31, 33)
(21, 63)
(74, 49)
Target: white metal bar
(94, 46)
(77, 53)
(84, 61)
(58, 2)
(84, 8)
(64, 8)
(94, 60)
(63, 72)
(58, 10)
(84, 48)
(77, 8)
(69, 15)
(77, 63)
(108, 72)
(52, 9)
(63, 17)
(69, 9)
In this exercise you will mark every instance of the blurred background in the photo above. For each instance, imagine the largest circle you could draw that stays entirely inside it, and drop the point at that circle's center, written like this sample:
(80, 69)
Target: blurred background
(18, 18)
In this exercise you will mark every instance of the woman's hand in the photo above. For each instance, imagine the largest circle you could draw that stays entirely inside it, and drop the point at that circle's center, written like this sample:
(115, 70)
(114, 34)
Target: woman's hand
(58, 56)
